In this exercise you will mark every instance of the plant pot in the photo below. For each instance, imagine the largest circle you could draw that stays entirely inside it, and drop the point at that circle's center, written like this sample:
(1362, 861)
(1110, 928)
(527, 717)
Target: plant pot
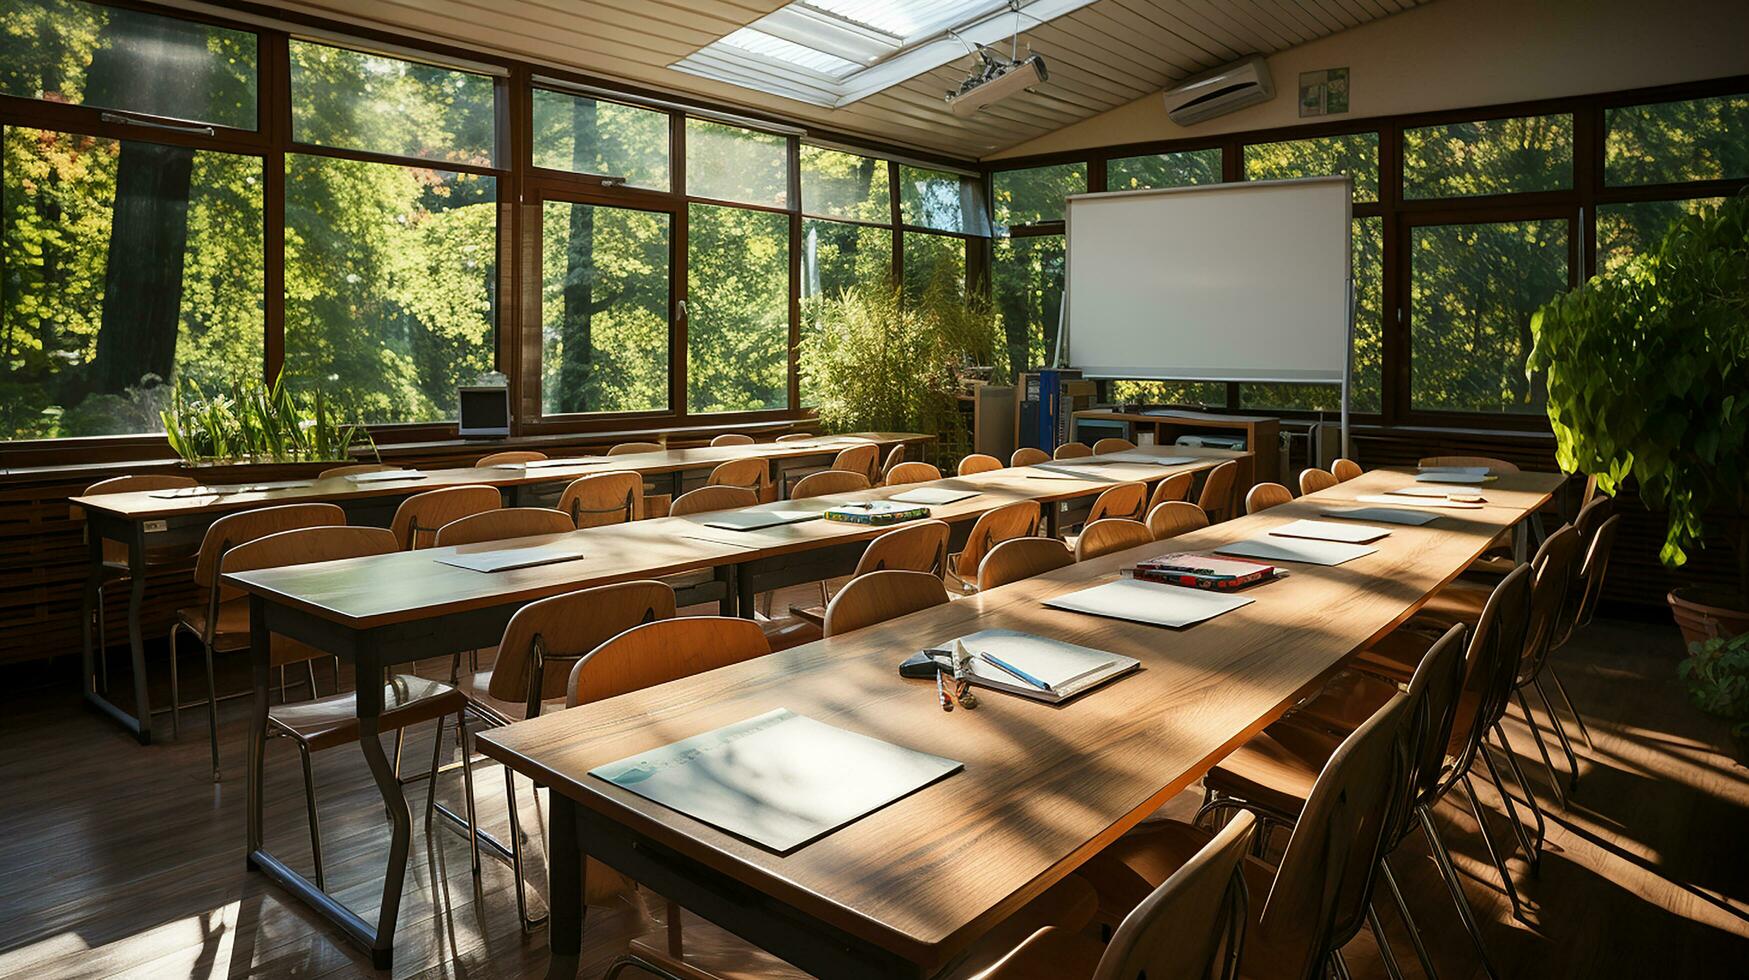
(1702, 614)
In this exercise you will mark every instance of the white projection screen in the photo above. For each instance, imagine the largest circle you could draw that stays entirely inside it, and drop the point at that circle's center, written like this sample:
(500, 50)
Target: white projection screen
(1246, 281)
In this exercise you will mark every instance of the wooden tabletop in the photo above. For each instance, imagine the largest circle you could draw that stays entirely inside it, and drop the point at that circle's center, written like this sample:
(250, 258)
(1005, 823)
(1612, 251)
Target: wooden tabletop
(366, 592)
(145, 506)
(1044, 787)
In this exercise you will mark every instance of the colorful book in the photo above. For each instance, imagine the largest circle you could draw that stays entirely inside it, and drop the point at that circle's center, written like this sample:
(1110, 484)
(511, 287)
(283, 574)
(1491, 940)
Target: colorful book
(877, 512)
(1203, 571)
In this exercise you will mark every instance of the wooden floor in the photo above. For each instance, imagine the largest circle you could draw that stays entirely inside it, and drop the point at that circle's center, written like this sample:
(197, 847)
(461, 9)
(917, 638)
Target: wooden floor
(118, 860)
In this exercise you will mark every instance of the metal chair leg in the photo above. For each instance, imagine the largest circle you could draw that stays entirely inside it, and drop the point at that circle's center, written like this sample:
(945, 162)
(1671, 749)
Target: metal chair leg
(310, 802)
(1396, 893)
(1536, 810)
(1339, 966)
(1488, 844)
(1454, 885)
(1386, 956)
(461, 721)
(175, 689)
(436, 762)
(1543, 749)
(1578, 718)
(282, 684)
(102, 646)
(400, 742)
(529, 923)
(1532, 855)
(310, 665)
(212, 707)
(1560, 734)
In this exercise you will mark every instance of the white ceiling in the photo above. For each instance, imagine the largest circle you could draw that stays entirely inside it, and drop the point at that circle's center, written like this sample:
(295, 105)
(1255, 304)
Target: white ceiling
(1100, 57)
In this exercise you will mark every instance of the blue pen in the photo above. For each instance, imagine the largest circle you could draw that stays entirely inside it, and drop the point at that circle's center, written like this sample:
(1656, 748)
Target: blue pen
(1017, 672)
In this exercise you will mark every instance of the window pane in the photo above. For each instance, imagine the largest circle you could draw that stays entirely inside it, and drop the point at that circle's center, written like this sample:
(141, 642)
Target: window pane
(845, 185)
(937, 261)
(181, 255)
(390, 284)
(604, 309)
(1369, 327)
(1473, 289)
(1025, 197)
(836, 257)
(1627, 230)
(1027, 284)
(585, 136)
(1201, 394)
(737, 310)
(727, 163)
(110, 58)
(1354, 154)
(1491, 156)
(1180, 169)
(941, 200)
(378, 104)
(1670, 142)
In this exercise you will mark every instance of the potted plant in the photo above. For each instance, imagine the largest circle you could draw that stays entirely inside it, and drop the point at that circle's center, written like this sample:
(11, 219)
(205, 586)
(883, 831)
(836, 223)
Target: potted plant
(1647, 369)
(252, 423)
(1717, 674)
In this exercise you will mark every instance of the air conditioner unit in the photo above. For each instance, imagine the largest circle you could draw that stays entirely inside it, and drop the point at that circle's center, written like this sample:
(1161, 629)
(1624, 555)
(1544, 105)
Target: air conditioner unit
(1218, 92)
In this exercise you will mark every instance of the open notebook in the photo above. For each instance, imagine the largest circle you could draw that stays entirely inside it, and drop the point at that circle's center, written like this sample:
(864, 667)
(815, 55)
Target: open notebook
(1065, 668)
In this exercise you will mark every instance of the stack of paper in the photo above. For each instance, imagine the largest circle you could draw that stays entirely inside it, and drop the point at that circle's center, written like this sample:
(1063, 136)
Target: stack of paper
(933, 496)
(1149, 602)
(1327, 531)
(1297, 549)
(1064, 669)
(753, 520)
(1389, 515)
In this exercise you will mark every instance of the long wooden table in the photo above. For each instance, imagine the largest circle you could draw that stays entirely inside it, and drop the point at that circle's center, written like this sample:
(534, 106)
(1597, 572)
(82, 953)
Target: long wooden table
(906, 890)
(391, 609)
(144, 518)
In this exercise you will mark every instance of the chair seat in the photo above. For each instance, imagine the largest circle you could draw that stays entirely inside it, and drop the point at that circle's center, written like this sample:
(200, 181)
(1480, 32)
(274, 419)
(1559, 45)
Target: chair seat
(1052, 953)
(1397, 654)
(1277, 767)
(1069, 905)
(1346, 702)
(1456, 603)
(232, 633)
(477, 688)
(330, 721)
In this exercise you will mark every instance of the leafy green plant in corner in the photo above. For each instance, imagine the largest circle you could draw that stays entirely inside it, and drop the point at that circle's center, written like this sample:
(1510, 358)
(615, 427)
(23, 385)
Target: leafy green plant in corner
(1647, 369)
(251, 422)
(1717, 674)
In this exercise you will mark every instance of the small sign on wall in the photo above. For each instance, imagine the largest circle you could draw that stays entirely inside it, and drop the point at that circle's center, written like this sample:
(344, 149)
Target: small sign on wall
(1323, 93)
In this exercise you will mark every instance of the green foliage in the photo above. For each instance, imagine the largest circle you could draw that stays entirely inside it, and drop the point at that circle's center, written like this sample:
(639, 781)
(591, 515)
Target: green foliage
(1717, 674)
(1647, 370)
(249, 422)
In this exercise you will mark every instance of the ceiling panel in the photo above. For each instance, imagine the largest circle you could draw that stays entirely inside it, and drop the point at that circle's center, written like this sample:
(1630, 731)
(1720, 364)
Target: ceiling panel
(1100, 56)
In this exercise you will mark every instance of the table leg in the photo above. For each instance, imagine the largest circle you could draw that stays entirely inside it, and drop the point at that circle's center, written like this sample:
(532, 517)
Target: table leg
(87, 610)
(255, 753)
(136, 641)
(370, 704)
(565, 872)
(746, 597)
(726, 575)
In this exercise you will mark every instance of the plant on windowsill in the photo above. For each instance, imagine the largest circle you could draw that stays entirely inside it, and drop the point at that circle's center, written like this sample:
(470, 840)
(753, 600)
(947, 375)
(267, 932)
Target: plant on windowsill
(1717, 674)
(252, 423)
(1648, 377)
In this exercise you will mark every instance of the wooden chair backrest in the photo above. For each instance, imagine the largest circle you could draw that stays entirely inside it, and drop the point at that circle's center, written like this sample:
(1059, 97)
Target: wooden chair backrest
(1313, 479)
(1266, 495)
(1175, 487)
(912, 472)
(1028, 456)
(1591, 517)
(1174, 517)
(307, 545)
(1555, 565)
(565, 628)
(712, 498)
(796, 437)
(1595, 568)
(353, 469)
(859, 459)
(1491, 664)
(662, 651)
(232, 530)
(978, 463)
(1017, 520)
(1109, 535)
(920, 546)
(879, 596)
(627, 448)
(512, 456)
(604, 498)
(1125, 500)
(752, 473)
(1324, 883)
(1072, 450)
(1193, 925)
(1216, 498)
(895, 456)
(417, 519)
(117, 551)
(1345, 469)
(828, 481)
(1112, 444)
(503, 523)
(1494, 465)
(1020, 558)
(732, 439)
(1432, 711)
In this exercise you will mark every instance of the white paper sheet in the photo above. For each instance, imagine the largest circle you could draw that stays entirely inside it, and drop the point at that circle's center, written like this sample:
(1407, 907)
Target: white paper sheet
(508, 559)
(1134, 457)
(1388, 515)
(933, 495)
(385, 476)
(1331, 531)
(1470, 470)
(1297, 549)
(753, 520)
(1451, 476)
(1417, 501)
(1434, 490)
(1149, 602)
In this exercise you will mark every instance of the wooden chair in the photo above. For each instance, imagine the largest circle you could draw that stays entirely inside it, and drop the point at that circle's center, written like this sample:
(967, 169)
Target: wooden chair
(1266, 495)
(1313, 480)
(1344, 470)
(1021, 558)
(115, 553)
(542, 644)
(1071, 450)
(1191, 927)
(604, 498)
(1017, 520)
(859, 459)
(1028, 456)
(879, 596)
(1597, 545)
(1175, 517)
(895, 457)
(828, 481)
(919, 546)
(797, 437)
(222, 621)
(911, 473)
(354, 469)
(507, 458)
(628, 448)
(503, 524)
(751, 473)
(1109, 535)
(1112, 444)
(978, 463)
(732, 439)
(709, 498)
(1125, 500)
(1175, 487)
(1216, 499)
(1494, 465)
(417, 519)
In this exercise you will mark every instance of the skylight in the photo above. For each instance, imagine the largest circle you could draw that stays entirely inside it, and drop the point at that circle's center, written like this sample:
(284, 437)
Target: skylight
(834, 52)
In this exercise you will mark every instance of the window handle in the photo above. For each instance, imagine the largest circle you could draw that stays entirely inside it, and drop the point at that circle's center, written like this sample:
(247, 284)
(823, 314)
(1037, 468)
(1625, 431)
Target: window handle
(112, 117)
(680, 309)
(613, 181)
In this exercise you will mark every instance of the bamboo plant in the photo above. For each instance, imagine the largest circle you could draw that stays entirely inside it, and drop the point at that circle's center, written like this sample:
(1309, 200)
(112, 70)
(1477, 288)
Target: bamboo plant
(251, 422)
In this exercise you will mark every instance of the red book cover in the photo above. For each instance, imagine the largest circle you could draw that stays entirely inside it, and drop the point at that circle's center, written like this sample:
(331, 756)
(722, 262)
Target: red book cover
(1203, 571)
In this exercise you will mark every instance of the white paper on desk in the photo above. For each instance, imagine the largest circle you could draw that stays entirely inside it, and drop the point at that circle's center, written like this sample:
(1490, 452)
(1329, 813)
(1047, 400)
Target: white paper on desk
(1074, 470)
(1133, 457)
(1296, 549)
(1451, 476)
(1389, 515)
(778, 779)
(1467, 470)
(547, 464)
(384, 476)
(1417, 501)
(753, 520)
(933, 495)
(1432, 490)
(1149, 602)
(1330, 531)
(510, 559)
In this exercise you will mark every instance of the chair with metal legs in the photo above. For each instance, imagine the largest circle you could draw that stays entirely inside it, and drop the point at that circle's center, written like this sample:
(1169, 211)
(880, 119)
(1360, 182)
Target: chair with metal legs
(1598, 540)
(919, 546)
(115, 561)
(417, 519)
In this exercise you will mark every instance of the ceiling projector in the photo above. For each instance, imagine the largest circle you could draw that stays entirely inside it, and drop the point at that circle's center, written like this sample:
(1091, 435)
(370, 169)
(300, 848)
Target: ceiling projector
(994, 79)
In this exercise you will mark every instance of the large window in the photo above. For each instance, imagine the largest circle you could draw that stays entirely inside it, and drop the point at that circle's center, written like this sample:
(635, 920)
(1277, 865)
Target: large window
(1036, 195)
(588, 136)
(1676, 142)
(836, 184)
(727, 163)
(942, 200)
(1491, 156)
(933, 262)
(604, 309)
(737, 315)
(1354, 154)
(1028, 292)
(1181, 169)
(359, 101)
